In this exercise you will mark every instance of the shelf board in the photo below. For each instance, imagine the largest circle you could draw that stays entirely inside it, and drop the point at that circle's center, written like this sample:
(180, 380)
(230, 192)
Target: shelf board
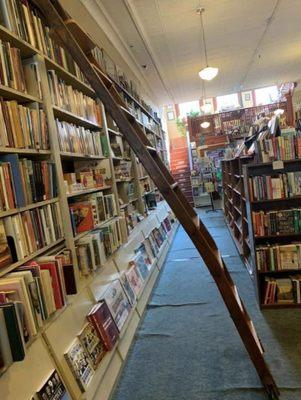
(123, 180)
(74, 119)
(281, 271)
(78, 155)
(24, 151)
(103, 223)
(143, 177)
(13, 266)
(110, 130)
(293, 305)
(82, 192)
(266, 237)
(25, 48)
(28, 207)
(69, 78)
(295, 198)
(12, 94)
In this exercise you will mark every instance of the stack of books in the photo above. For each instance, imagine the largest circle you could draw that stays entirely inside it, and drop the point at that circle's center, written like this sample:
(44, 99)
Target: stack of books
(284, 147)
(282, 291)
(278, 257)
(77, 139)
(28, 297)
(25, 181)
(276, 186)
(280, 222)
(22, 126)
(74, 101)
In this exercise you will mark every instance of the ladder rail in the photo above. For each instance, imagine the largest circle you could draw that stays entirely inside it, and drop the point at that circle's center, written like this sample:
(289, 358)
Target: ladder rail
(165, 183)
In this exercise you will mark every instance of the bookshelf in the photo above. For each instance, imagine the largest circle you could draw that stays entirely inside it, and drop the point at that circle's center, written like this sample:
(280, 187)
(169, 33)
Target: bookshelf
(124, 185)
(271, 224)
(234, 204)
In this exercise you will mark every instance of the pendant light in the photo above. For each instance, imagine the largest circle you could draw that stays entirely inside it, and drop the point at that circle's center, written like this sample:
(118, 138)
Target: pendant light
(208, 73)
(205, 124)
(279, 111)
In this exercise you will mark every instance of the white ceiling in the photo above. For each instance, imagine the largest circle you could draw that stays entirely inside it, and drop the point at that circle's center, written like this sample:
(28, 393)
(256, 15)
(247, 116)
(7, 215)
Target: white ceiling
(253, 42)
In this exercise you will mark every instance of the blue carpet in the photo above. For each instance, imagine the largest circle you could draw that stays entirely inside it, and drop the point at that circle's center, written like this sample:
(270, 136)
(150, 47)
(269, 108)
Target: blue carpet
(187, 347)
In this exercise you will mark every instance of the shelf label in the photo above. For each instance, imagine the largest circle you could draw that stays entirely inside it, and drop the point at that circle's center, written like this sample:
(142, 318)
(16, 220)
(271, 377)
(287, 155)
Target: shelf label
(278, 164)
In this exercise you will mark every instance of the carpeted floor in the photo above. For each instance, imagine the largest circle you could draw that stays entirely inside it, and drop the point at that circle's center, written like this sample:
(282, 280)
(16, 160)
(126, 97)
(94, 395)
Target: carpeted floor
(187, 347)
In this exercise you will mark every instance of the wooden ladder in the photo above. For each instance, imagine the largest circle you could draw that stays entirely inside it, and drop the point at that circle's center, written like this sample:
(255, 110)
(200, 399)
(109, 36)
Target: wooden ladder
(68, 33)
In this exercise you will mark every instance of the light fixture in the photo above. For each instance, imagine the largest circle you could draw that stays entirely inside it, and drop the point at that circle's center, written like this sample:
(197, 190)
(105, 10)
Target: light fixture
(279, 111)
(206, 108)
(205, 124)
(207, 73)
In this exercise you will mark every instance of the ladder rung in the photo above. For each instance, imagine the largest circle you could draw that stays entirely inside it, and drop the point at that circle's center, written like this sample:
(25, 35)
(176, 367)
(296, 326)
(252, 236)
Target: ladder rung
(174, 185)
(151, 149)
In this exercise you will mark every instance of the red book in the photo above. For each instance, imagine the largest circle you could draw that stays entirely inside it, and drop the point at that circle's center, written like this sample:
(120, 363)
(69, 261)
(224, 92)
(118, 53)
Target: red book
(8, 185)
(83, 216)
(56, 286)
(104, 324)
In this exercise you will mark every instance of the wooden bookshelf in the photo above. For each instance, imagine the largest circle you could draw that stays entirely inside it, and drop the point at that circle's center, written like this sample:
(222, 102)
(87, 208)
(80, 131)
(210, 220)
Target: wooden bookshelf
(234, 204)
(47, 348)
(269, 205)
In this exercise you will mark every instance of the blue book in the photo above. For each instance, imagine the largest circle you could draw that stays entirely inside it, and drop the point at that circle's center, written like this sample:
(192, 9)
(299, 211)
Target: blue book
(13, 159)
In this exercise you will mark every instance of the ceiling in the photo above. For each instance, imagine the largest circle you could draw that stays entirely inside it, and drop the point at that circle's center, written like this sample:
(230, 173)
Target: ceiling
(253, 42)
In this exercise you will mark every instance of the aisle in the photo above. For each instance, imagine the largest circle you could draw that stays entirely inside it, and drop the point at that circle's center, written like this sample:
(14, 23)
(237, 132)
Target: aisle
(187, 347)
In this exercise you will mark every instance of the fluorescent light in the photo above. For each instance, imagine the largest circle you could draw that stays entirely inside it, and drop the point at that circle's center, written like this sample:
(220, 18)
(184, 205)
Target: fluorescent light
(279, 111)
(205, 124)
(208, 73)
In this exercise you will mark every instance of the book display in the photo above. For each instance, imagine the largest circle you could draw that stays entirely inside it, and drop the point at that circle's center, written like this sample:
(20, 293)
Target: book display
(273, 195)
(72, 192)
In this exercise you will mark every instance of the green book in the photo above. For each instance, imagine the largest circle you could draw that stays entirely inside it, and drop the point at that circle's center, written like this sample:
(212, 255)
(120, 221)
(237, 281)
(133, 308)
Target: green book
(105, 145)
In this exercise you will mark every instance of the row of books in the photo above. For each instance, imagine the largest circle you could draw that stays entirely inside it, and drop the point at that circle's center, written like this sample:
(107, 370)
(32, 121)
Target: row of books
(284, 147)
(77, 139)
(24, 181)
(278, 257)
(72, 100)
(23, 126)
(105, 321)
(282, 291)
(88, 175)
(25, 233)
(11, 69)
(92, 211)
(28, 297)
(276, 186)
(23, 20)
(280, 222)
(123, 170)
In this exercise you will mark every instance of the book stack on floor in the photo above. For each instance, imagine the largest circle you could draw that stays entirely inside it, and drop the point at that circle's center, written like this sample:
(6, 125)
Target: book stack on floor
(274, 190)
(70, 196)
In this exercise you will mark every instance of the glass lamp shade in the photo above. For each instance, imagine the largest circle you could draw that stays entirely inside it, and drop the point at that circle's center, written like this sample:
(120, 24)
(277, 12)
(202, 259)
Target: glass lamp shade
(279, 111)
(205, 124)
(208, 73)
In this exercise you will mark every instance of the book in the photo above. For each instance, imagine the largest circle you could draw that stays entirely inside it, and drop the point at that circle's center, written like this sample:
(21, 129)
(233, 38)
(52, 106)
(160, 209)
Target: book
(92, 344)
(142, 267)
(277, 257)
(82, 214)
(14, 330)
(53, 389)
(117, 302)
(134, 278)
(80, 364)
(131, 295)
(5, 254)
(101, 318)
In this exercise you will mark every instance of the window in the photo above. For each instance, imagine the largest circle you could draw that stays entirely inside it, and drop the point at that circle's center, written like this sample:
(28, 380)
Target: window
(227, 102)
(170, 115)
(266, 95)
(188, 107)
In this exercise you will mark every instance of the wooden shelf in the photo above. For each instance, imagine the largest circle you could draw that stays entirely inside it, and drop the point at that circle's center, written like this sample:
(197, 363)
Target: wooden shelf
(9, 93)
(28, 207)
(295, 305)
(6, 270)
(289, 235)
(114, 132)
(74, 119)
(84, 156)
(24, 151)
(103, 223)
(88, 191)
(281, 271)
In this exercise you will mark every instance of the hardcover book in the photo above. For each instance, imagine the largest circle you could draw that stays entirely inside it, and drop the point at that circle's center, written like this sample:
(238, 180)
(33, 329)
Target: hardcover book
(92, 344)
(80, 364)
(53, 389)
